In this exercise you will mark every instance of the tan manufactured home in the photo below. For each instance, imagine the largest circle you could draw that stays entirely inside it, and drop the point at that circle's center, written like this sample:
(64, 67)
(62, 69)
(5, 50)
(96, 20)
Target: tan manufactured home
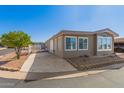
(69, 43)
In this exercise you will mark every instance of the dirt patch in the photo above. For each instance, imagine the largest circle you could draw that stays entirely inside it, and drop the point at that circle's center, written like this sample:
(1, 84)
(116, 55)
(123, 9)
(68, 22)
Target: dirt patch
(89, 63)
(9, 61)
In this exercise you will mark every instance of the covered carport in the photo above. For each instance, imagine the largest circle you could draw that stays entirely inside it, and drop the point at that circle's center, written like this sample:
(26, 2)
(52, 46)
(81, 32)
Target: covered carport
(119, 44)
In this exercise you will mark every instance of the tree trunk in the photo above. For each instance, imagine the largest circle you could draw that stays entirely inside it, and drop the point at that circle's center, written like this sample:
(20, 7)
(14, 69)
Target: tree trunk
(18, 52)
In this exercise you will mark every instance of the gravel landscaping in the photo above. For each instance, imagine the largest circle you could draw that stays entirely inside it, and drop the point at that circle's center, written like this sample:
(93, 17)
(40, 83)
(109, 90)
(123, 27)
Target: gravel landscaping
(9, 62)
(91, 63)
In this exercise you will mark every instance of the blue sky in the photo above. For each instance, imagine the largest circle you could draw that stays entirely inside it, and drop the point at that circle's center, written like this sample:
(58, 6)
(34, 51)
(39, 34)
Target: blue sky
(41, 22)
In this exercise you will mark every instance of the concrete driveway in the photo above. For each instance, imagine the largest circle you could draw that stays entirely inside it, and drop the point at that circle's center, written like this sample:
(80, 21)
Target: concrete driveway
(46, 62)
(6, 51)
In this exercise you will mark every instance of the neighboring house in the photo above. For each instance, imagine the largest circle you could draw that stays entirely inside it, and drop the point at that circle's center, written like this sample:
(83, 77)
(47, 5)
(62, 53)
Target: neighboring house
(69, 43)
(38, 45)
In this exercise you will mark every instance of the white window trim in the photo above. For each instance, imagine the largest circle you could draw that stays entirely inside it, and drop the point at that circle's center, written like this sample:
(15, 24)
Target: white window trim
(104, 49)
(65, 43)
(78, 43)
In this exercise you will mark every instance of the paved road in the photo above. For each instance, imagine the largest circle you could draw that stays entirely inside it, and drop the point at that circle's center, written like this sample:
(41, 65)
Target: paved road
(8, 83)
(108, 79)
(6, 51)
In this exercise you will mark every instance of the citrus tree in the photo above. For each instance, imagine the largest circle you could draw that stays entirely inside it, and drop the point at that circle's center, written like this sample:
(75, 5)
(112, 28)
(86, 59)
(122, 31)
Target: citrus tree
(16, 40)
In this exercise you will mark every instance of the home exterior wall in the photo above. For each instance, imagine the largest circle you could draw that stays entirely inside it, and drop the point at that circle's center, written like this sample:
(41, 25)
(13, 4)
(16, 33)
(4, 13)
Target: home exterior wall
(108, 52)
(59, 46)
(77, 53)
(47, 44)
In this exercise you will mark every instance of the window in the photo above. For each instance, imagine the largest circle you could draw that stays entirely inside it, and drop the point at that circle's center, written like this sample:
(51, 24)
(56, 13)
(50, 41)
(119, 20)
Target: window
(82, 43)
(70, 43)
(104, 43)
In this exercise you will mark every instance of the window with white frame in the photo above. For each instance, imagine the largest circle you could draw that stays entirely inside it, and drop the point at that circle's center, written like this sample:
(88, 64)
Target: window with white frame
(70, 43)
(104, 43)
(82, 43)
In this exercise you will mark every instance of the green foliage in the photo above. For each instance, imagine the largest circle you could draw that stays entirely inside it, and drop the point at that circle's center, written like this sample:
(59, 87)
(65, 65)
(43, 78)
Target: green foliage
(16, 39)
